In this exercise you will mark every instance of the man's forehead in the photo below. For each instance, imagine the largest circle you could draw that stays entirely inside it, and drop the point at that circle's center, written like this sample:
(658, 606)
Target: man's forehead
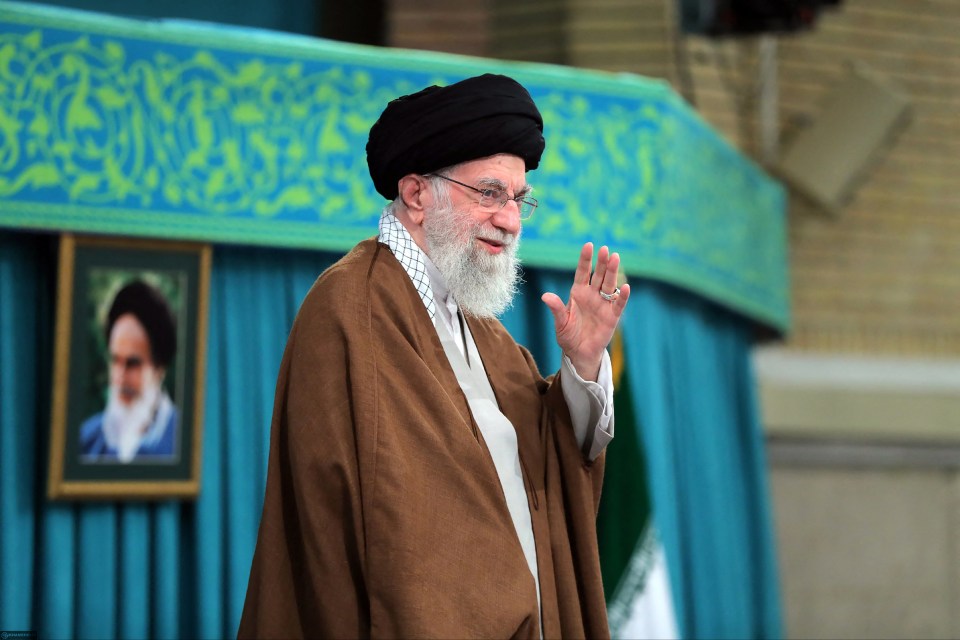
(128, 336)
(129, 324)
(507, 169)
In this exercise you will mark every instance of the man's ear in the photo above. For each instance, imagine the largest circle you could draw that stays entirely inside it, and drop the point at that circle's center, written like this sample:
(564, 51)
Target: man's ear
(415, 196)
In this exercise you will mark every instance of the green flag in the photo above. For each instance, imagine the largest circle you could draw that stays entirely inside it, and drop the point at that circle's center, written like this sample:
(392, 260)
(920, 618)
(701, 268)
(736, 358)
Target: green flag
(631, 557)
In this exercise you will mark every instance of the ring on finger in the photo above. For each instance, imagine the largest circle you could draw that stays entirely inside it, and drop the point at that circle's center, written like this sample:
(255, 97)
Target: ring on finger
(610, 297)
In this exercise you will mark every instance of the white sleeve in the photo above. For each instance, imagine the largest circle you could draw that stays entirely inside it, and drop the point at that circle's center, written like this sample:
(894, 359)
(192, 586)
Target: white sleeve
(591, 406)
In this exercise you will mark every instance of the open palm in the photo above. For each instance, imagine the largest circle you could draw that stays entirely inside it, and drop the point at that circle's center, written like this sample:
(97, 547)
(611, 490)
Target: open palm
(586, 323)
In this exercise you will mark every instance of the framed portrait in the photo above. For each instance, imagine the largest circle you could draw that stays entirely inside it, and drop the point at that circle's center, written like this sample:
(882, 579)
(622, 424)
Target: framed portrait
(131, 326)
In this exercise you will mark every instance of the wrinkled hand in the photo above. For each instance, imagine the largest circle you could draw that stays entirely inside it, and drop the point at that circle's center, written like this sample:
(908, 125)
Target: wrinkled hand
(586, 323)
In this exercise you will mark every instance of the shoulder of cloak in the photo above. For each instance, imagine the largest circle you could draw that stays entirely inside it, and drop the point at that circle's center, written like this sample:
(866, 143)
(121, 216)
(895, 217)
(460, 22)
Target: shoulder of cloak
(368, 276)
(361, 324)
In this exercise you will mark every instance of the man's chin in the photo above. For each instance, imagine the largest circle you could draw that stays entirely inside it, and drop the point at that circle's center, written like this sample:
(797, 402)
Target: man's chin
(494, 264)
(137, 408)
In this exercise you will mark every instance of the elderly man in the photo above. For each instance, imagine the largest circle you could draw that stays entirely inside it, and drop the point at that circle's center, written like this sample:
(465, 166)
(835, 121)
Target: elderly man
(424, 479)
(140, 420)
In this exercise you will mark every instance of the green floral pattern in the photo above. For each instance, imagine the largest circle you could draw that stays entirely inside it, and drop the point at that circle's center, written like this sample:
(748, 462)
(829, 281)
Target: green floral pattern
(230, 135)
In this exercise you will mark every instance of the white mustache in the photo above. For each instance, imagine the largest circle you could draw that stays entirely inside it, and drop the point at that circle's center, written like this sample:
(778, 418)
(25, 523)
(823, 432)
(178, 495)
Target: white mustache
(497, 236)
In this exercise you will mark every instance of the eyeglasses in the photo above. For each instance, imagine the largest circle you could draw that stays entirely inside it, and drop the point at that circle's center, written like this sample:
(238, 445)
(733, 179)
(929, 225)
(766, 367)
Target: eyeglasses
(493, 199)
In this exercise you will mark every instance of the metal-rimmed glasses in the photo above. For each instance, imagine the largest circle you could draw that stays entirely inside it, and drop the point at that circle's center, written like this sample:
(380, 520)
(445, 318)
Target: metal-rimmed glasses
(493, 199)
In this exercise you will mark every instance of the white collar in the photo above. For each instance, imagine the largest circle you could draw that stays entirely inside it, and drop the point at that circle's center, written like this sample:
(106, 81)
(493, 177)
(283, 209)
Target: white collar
(413, 260)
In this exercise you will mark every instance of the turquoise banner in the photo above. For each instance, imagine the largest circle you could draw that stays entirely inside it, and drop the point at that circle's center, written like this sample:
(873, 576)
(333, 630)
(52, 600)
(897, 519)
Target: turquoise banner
(195, 131)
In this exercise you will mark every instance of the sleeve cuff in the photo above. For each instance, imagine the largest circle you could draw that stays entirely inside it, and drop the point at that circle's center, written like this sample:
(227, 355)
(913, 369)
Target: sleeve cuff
(591, 406)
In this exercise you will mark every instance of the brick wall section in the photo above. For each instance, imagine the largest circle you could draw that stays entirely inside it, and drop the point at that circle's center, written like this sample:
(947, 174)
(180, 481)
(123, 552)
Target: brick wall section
(533, 30)
(440, 25)
(622, 35)
(722, 82)
(614, 35)
(884, 275)
(881, 277)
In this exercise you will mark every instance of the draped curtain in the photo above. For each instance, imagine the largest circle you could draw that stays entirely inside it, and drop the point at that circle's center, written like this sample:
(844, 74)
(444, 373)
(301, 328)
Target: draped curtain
(180, 568)
(692, 387)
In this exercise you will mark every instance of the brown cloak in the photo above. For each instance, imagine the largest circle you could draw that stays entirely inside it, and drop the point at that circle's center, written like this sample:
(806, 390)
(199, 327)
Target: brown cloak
(383, 513)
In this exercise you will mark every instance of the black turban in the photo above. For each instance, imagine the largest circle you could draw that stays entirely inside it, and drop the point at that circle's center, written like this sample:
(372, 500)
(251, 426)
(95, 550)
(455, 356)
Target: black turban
(443, 126)
(150, 308)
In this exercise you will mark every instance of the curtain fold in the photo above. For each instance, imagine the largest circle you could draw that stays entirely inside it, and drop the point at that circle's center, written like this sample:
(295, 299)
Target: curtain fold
(692, 386)
(21, 315)
(255, 294)
(179, 569)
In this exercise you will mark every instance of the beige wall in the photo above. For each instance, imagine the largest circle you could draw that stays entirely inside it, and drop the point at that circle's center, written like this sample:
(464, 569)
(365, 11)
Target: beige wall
(868, 552)
(865, 475)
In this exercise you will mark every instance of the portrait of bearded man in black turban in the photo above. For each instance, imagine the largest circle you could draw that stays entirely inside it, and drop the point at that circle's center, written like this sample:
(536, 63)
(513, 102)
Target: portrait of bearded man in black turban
(139, 420)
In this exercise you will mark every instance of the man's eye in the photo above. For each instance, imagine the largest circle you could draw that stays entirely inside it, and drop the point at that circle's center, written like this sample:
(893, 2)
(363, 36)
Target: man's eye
(494, 194)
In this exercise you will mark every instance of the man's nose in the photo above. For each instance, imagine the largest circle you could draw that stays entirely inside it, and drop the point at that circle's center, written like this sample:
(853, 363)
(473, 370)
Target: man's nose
(507, 218)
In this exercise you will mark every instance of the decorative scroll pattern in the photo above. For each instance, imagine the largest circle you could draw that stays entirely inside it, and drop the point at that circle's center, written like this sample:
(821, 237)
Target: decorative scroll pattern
(90, 124)
(230, 135)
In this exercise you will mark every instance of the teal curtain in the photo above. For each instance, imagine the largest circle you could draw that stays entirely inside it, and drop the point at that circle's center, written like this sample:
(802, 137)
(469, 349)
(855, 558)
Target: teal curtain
(25, 331)
(692, 387)
(179, 569)
(144, 569)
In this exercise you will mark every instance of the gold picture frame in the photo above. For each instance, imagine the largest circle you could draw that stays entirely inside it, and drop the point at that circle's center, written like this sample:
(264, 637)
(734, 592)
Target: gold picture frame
(129, 366)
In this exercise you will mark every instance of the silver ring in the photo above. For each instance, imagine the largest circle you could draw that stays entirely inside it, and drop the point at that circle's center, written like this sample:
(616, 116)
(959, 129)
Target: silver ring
(610, 297)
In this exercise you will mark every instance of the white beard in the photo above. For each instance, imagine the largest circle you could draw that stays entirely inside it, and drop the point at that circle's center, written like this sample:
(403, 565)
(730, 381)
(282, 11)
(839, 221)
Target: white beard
(482, 283)
(125, 425)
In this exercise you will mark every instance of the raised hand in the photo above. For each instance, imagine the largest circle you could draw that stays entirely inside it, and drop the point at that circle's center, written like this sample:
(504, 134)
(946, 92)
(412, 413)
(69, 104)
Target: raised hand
(585, 324)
